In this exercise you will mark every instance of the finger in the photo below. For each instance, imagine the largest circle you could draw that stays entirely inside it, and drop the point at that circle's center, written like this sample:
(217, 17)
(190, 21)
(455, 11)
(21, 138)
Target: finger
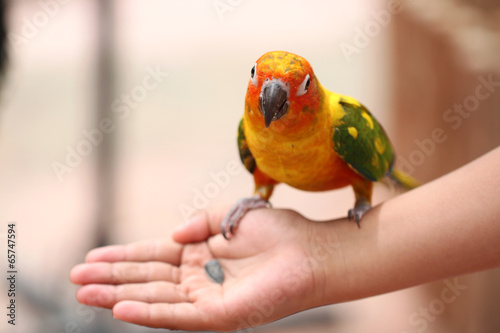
(199, 227)
(248, 240)
(124, 272)
(106, 296)
(221, 248)
(149, 250)
(185, 316)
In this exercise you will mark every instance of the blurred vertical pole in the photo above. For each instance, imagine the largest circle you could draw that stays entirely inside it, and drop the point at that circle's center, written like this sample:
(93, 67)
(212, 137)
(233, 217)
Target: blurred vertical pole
(105, 185)
(3, 37)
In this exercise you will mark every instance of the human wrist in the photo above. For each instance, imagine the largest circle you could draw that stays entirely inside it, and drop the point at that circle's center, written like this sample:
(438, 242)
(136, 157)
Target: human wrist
(328, 262)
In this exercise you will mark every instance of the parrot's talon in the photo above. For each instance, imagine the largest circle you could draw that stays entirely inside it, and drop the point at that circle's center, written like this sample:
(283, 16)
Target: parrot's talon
(360, 209)
(352, 215)
(238, 211)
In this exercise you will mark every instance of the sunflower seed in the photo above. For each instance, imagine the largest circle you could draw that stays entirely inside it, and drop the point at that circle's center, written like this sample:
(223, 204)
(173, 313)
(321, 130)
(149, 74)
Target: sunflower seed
(214, 271)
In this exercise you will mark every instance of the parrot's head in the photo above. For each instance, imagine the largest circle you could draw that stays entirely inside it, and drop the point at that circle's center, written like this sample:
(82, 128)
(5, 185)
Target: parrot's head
(283, 92)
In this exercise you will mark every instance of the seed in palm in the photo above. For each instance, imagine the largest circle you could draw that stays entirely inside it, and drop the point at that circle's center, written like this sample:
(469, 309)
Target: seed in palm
(214, 271)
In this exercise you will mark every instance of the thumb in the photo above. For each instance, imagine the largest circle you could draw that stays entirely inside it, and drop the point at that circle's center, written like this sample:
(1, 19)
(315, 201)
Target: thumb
(200, 226)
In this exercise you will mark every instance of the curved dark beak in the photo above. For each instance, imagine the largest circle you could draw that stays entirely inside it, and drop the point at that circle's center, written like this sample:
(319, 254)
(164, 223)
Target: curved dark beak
(273, 101)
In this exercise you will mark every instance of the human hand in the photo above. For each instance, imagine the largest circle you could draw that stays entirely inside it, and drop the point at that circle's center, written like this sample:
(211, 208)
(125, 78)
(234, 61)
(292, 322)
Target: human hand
(279, 262)
(270, 271)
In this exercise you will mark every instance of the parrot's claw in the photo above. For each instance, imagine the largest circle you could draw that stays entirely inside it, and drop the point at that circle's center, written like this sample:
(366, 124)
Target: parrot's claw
(238, 211)
(360, 209)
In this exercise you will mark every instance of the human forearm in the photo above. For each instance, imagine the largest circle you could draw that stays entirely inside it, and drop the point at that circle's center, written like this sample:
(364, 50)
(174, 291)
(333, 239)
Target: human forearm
(445, 228)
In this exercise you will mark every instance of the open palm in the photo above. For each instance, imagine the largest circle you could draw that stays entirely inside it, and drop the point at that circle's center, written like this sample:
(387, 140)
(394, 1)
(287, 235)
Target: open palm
(267, 274)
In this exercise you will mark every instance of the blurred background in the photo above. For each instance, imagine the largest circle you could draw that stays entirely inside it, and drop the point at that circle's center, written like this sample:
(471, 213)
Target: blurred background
(116, 115)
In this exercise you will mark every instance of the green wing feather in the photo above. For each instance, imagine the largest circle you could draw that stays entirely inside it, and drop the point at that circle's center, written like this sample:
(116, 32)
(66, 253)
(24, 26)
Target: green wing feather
(245, 154)
(361, 142)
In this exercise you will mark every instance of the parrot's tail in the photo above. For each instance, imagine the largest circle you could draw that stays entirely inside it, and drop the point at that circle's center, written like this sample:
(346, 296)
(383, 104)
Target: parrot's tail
(403, 180)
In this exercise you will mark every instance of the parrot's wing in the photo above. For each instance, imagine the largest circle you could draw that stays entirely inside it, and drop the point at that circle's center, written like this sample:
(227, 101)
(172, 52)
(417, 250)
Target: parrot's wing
(245, 154)
(361, 142)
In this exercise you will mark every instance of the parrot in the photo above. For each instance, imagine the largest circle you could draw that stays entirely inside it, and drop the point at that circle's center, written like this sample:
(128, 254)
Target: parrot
(296, 132)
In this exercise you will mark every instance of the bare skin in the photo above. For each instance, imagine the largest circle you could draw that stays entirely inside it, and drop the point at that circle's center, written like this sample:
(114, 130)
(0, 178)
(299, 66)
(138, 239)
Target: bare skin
(280, 263)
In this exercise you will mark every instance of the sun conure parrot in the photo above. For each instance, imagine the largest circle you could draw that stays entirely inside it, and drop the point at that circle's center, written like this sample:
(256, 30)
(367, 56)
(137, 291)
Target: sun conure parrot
(296, 132)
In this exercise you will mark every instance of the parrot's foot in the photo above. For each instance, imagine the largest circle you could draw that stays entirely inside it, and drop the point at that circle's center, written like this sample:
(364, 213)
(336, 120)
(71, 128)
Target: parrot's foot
(233, 218)
(360, 209)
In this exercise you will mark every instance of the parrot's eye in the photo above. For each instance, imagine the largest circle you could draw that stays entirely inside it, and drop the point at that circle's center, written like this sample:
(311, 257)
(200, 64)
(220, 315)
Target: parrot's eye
(253, 75)
(304, 86)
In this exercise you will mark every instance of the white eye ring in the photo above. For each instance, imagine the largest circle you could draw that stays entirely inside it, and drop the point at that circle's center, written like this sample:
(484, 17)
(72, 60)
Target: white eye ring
(304, 86)
(253, 74)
